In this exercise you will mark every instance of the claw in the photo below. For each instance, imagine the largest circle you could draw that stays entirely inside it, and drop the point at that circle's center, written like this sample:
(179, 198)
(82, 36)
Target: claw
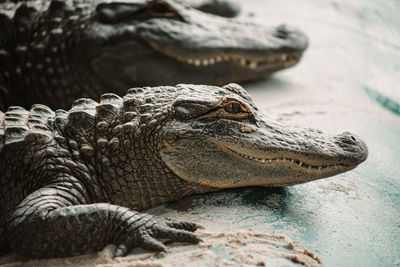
(188, 226)
(150, 243)
(175, 235)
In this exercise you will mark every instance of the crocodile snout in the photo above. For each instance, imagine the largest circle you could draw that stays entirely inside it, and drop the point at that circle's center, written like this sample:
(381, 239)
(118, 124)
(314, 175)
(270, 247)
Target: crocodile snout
(297, 39)
(352, 144)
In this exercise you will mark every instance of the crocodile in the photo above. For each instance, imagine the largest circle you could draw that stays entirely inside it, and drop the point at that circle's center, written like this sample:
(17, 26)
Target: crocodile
(72, 182)
(88, 47)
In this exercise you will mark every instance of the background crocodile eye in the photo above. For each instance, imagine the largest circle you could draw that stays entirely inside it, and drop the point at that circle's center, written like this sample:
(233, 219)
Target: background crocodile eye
(233, 108)
(161, 8)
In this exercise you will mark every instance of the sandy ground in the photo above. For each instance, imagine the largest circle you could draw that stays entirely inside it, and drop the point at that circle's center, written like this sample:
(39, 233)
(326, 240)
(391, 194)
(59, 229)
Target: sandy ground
(237, 248)
(348, 81)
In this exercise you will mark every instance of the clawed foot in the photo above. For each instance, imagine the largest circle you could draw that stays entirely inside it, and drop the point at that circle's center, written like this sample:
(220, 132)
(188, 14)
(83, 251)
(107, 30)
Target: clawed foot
(147, 235)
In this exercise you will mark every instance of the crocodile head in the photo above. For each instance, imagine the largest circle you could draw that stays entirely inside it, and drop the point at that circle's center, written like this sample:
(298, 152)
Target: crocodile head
(165, 42)
(219, 139)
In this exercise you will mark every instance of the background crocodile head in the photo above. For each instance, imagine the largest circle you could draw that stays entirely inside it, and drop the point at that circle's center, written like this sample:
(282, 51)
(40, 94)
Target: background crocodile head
(219, 139)
(165, 42)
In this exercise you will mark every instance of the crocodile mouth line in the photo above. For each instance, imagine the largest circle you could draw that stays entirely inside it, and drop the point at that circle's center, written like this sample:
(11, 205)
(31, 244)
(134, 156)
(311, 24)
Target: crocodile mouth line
(283, 59)
(287, 161)
(290, 161)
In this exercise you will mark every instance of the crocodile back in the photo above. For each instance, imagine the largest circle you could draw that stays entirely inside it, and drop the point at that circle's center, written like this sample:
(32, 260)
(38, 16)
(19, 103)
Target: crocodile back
(18, 125)
(32, 49)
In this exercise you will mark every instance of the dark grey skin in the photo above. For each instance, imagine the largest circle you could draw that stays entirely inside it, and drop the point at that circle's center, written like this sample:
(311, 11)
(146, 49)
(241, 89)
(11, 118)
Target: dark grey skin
(54, 55)
(73, 181)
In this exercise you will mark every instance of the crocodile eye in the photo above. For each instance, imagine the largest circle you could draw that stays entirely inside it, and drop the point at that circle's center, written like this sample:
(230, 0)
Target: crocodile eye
(233, 107)
(161, 8)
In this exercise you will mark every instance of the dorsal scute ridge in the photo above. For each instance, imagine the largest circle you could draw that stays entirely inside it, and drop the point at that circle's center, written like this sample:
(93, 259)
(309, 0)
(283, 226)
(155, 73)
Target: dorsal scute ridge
(109, 106)
(81, 117)
(15, 116)
(15, 134)
(42, 110)
(132, 101)
(110, 98)
(84, 104)
(20, 126)
(14, 125)
(38, 117)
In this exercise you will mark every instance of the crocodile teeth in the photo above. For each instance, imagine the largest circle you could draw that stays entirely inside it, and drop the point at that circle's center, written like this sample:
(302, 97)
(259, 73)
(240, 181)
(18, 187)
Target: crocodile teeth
(241, 60)
(286, 160)
(253, 65)
(212, 60)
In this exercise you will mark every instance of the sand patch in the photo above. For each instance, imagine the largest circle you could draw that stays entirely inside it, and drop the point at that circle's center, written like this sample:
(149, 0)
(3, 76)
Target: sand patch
(235, 248)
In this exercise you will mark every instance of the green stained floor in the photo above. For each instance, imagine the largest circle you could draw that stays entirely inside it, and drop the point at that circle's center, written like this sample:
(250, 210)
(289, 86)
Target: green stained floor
(349, 80)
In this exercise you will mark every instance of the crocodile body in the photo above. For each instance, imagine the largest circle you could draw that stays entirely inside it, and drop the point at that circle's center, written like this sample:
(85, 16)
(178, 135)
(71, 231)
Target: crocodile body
(74, 181)
(88, 47)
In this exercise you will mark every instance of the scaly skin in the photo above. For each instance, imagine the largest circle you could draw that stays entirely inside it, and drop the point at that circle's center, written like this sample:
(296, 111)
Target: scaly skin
(72, 182)
(55, 53)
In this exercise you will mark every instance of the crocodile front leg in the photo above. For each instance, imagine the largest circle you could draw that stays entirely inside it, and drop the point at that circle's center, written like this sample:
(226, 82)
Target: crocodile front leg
(57, 221)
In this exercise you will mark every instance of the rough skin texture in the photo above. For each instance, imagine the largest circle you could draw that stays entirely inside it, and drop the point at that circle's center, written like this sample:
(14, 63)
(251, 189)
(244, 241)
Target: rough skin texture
(72, 182)
(54, 52)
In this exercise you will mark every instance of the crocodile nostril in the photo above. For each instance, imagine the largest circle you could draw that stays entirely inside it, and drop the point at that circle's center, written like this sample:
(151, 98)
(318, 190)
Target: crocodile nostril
(281, 32)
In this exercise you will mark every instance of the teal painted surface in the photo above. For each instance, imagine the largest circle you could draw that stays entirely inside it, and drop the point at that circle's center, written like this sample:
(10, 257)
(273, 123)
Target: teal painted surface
(349, 79)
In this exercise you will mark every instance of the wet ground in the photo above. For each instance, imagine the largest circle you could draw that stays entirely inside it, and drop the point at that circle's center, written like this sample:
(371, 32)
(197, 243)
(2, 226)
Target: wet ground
(348, 80)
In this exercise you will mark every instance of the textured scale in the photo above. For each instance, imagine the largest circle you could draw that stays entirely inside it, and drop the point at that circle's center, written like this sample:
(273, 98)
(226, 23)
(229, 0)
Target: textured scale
(18, 124)
(80, 156)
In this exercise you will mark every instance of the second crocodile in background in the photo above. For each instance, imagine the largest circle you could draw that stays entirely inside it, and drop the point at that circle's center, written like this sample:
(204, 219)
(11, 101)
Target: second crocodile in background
(55, 52)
